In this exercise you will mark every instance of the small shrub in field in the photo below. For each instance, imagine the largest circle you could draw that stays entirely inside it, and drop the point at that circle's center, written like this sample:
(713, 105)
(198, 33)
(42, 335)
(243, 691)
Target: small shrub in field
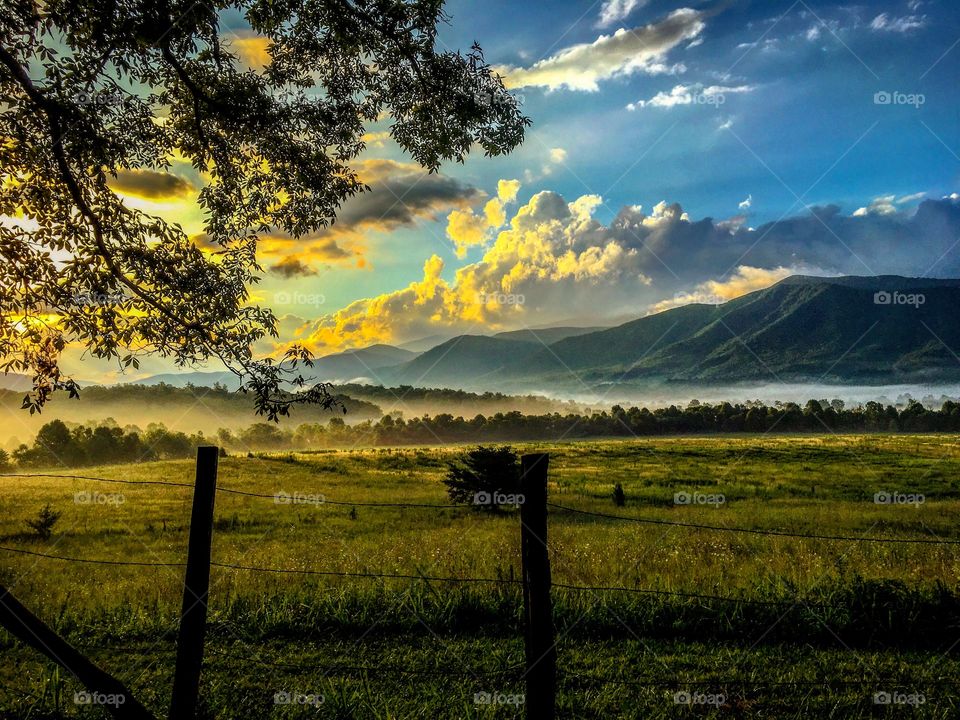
(482, 475)
(619, 497)
(43, 524)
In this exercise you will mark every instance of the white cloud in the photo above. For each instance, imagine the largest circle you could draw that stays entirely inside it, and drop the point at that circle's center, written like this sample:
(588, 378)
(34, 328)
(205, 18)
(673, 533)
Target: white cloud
(882, 205)
(747, 204)
(567, 264)
(582, 67)
(883, 22)
(692, 95)
(613, 11)
(745, 280)
(911, 198)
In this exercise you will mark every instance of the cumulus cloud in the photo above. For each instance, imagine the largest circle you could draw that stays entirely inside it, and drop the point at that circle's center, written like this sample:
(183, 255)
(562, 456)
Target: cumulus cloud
(744, 280)
(613, 11)
(567, 265)
(308, 249)
(640, 50)
(151, 185)
(467, 229)
(884, 23)
(883, 205)
(507, 190)
(400, 195)
(692, 94)
(252, 49)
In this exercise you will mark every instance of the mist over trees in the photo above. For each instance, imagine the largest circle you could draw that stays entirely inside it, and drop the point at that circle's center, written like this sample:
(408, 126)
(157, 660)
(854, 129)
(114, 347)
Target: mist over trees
(58, 444)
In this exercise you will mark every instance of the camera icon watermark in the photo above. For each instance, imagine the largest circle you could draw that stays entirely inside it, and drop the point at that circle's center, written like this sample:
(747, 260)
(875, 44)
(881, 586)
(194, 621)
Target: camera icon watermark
(885, 97)
(699, 698)
(285, 697)
(501, 298)
(499, 499)
(699, 498)
(895, 498)
(899, 698)
(499, 698)
(298, 498)
(94, 299)
(85, 697)
(896, 298)
(92, 497)
(298, 298)
(98, 98)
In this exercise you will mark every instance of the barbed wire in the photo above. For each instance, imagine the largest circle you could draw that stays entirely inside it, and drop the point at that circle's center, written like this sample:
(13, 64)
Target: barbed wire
(755, 531)
(99, 479)
(433, 578)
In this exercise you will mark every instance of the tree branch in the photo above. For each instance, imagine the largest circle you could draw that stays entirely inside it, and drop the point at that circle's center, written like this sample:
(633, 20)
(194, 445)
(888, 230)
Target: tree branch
(55, 124)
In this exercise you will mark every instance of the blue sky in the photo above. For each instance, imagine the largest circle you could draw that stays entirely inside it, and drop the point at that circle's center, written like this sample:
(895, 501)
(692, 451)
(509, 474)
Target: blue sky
(815, 68)
(680, 152)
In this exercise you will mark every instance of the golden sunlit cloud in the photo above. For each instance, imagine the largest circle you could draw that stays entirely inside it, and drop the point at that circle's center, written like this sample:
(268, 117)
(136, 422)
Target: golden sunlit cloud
(467, 229)
(713, 292)
(252, 49)
(539, 262)
(507, 190)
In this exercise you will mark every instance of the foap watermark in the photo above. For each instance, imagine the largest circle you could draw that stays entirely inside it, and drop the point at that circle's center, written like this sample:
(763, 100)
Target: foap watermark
(98, 98)
(98, 698)
(95, 299)
(499, 498)
(699, 498)
(501, 298)
(488, 97)
(884, 297)
(92, 497)
(894, 97)
(699, 698)
(298, 298)
(897, 498)
(298, 498)
(285, 697)
(708, 96)
(899, 698)
(499, 698)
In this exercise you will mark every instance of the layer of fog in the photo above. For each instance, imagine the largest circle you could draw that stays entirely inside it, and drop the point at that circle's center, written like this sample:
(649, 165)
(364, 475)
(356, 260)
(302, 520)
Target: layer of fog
(933, 396)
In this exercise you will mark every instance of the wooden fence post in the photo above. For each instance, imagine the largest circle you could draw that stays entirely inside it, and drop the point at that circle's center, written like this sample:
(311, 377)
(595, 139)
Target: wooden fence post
(105, 690)
(196, 586)
(541, 651)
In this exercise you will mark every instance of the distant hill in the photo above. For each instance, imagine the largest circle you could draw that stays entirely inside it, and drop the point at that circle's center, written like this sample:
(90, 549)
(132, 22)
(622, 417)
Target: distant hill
(337, 368)
(362, 363)
(546, 336)
(801, 329)
(467, 361)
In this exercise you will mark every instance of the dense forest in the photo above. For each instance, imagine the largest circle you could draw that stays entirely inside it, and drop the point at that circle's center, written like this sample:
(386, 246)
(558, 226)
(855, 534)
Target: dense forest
(59, 444)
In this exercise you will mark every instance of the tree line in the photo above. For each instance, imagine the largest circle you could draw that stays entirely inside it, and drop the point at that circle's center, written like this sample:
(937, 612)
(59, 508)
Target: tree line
(58, 444)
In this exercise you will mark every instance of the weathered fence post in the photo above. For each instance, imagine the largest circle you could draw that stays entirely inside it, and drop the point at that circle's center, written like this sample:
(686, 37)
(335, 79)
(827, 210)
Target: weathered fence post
(103, 689)
(541, 651)
(196, 586)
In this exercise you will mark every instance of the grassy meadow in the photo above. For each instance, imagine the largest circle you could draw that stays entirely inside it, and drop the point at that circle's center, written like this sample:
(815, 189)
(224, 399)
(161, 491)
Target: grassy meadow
(750, 625)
